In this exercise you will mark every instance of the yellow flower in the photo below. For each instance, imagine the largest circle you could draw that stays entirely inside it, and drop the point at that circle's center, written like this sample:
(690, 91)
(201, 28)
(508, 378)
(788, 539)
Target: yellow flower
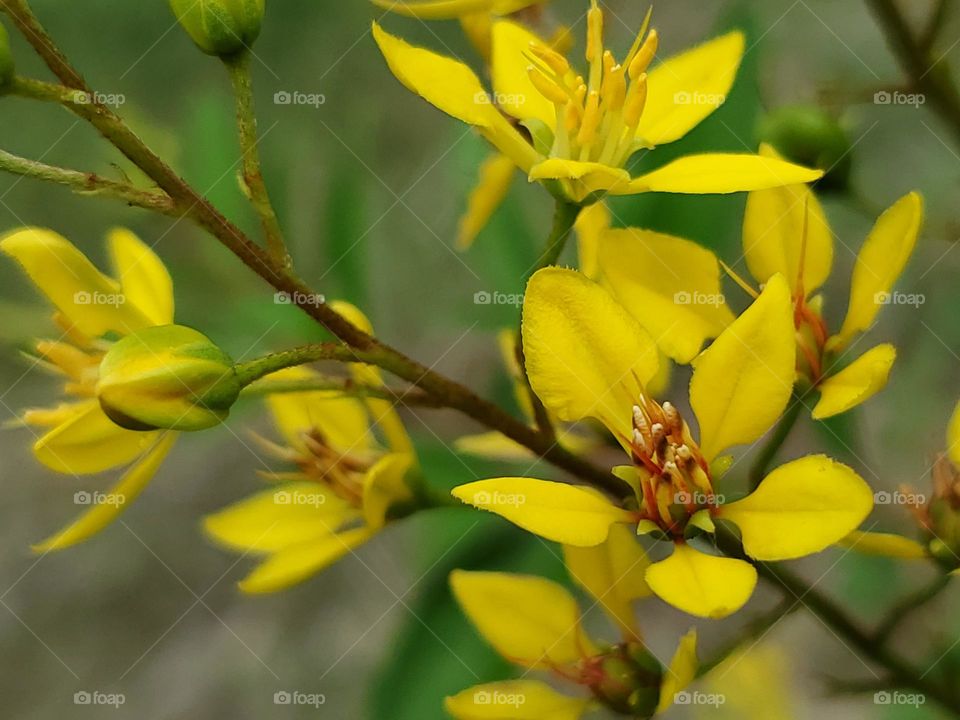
(345, 487)
(582, 130)
(535, 623)
(587, 357)
(92, 311)
(785, 231)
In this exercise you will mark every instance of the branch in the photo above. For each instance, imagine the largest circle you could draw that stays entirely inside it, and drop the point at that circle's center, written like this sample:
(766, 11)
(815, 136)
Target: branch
(910, 604)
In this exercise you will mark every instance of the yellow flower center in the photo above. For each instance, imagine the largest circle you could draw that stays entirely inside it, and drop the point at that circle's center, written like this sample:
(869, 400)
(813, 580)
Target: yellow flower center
(597, 118)
(674, 475)
(341, 472)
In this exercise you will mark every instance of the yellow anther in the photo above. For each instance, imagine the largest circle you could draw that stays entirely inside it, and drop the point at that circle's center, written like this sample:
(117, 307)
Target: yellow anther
(547, 87)
(614, 88)
(571, 116)
(591, 120)
(594, 33)
(636, 101)
(644, 55)
(554, 60)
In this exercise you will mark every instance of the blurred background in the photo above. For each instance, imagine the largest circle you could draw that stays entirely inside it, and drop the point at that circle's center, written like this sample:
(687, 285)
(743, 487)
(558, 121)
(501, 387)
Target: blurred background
(369, 185)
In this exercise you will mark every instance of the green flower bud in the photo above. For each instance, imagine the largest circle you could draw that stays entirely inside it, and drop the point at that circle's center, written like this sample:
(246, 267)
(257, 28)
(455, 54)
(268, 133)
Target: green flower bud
(810, 136)
(169, 377)
(6, 58)
(628, 680)
(220, 27)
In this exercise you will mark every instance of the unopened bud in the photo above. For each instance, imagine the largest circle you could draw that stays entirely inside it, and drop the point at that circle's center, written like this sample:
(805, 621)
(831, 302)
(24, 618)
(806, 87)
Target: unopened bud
(630, 679)
(6, 58)
(170, 377)
(220, 27)
(810, 136)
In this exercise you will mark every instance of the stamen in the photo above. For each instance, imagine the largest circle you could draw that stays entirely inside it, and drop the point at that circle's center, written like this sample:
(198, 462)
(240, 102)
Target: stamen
(557, 62)
(546, 86)
(635, 102)
(644, 55)
(591, 121)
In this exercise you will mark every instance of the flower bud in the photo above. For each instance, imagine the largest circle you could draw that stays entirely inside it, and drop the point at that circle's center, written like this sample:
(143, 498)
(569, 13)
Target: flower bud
(942, 513)
(169, 377)
(220, 27)
(628, 680)
(809, 136)
(6, 58)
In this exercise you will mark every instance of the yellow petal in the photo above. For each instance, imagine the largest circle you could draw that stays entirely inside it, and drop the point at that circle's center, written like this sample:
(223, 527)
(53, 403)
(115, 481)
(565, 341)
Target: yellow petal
(880, 262)
(613, 574)
(719, 173)
(682, 671)
(884, 544)
(585, 355)
(670, 285)
(514, 700)
(686, 88)
(446, 83)
(496, 175)
(113, 502)
(529, 620)
(556, 511)
(296, 563)
(742, 382)
(800, 508)
(493, 445)
(142, 275)
(953, 437)
(279, 517)
(700, 584)
(591, 223)
(88, 298)
(856, 383)
(385, 485)
(582, 179)
(773, 235)
(383, 413)
(515, 93)
(343, 420)
(89, 442)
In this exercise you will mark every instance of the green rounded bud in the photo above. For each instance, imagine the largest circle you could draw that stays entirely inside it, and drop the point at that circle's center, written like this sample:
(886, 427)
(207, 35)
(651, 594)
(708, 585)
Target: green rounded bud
(220, 27)
(629, 680)
(6, 58)
(810, 136)
(169, 377)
